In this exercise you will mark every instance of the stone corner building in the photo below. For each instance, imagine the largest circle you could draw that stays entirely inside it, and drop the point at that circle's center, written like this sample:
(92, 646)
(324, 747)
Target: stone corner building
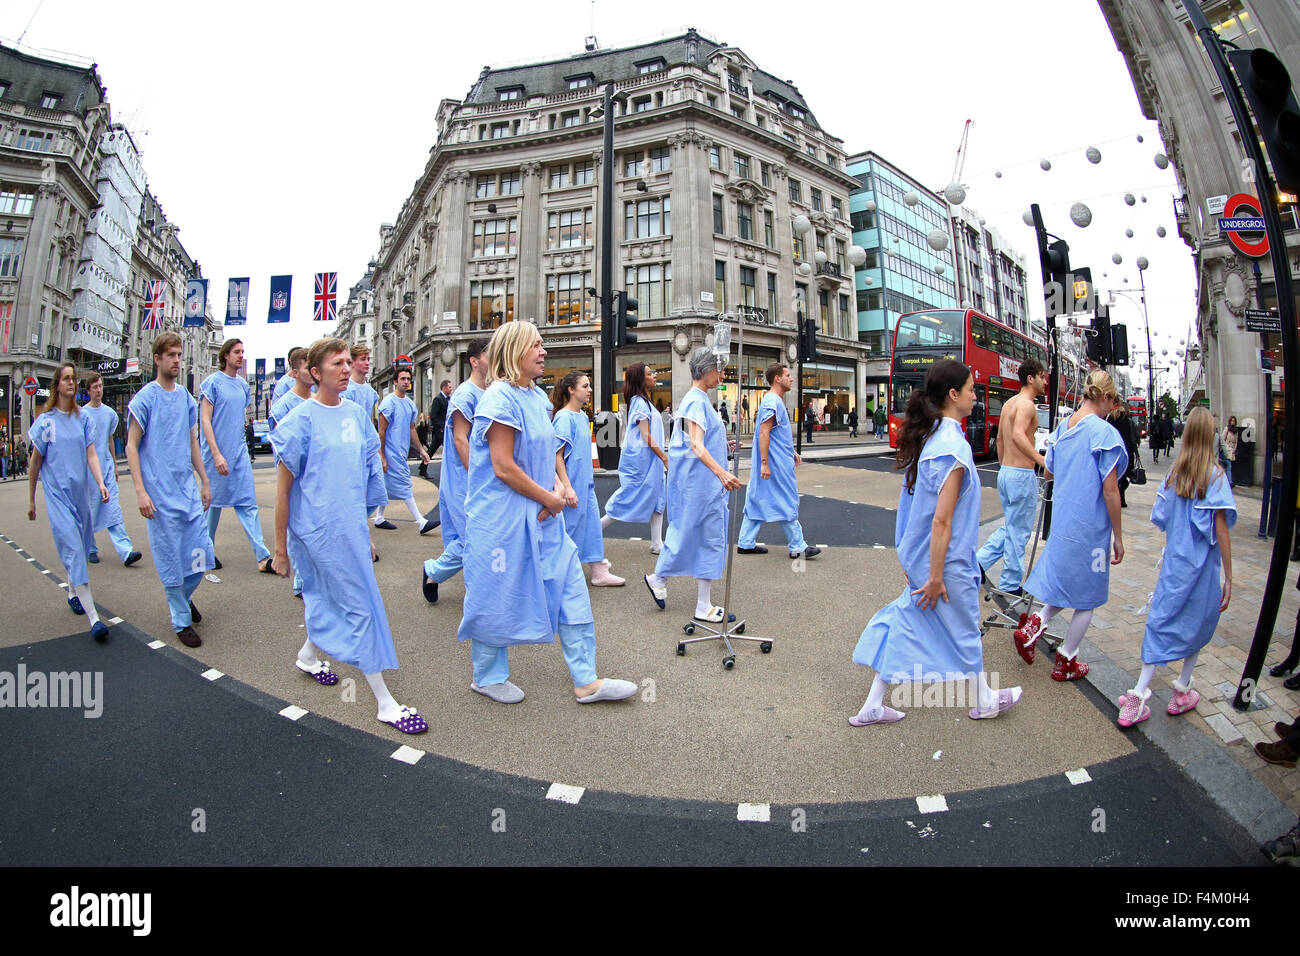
(715, 158)
(1177, 87)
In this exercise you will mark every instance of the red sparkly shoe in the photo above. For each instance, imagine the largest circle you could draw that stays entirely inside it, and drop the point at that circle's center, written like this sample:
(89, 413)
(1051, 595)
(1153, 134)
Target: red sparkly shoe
(1026, 638)
(1068, 669)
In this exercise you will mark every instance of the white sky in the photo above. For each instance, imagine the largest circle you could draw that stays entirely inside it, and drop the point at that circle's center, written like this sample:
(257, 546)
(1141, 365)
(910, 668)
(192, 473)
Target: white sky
(278, 136)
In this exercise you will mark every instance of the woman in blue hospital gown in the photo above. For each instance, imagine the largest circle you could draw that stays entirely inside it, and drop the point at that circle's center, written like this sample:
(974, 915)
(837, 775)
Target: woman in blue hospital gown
(698, 486)
(931, 632)
(64, 460)
(640, 495)
(523, 580)
(573, 428)
(1085, 456)
(329, 474)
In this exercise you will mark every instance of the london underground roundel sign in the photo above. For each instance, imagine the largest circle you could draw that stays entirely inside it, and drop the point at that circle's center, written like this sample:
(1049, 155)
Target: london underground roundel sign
(1242, 215)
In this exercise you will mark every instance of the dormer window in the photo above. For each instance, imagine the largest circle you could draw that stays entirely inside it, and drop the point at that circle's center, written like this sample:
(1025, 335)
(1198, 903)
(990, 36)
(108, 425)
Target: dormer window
(652, 66)
(4, 88)
(510, 93)
(580, 82)
(50, 100)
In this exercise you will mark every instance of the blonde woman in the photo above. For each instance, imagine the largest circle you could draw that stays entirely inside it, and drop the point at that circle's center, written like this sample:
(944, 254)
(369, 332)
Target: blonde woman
(1195, 509)
(1228, 447)
(523, 579)
(1088, 455)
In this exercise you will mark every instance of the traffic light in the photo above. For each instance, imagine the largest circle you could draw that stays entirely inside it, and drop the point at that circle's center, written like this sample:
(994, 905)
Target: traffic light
(1118, 345)
(808, 341)
(1056, 274)
(1099, 336)
(1267, 86)
(624, 318)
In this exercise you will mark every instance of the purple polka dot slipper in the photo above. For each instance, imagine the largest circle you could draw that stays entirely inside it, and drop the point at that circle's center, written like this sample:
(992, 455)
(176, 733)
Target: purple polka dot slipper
(321, 673)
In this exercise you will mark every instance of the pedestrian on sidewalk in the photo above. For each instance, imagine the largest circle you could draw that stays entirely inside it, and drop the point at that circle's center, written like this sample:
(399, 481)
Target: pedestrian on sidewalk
(453, 474)
(932, 630)
(698, 487)
(328, 472)
(1088, 455)
(397, 415)
(581, 522)
(1124, 425)
(880, 419)
(1195, 509)
(438, 416)
(853, 423)
(1156, 438)
(1228, 446)
(642, 486)
(810, 419)
(422, 433)
(224, 399)
(162, 419)
(523, 579)
(63, 460)
(106, 515)
(745, 420)
(773, 493)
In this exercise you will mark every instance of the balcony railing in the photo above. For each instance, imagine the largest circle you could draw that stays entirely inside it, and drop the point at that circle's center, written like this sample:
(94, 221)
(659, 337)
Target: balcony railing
(738, 89)
(754, 315)
(830, 269)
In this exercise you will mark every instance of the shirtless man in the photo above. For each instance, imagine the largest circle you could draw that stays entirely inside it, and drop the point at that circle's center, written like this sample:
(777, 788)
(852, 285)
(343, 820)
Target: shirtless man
(1017, 483)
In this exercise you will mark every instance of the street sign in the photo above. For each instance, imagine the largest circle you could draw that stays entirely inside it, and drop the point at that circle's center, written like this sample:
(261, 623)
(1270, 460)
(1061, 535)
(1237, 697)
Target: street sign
(1233, 225)
(132, 366)
(1259, 320)
(30, 385)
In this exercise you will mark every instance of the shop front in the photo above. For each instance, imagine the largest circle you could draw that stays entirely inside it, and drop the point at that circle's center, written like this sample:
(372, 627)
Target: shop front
(751, 387)
(830, 389)
(658, 358)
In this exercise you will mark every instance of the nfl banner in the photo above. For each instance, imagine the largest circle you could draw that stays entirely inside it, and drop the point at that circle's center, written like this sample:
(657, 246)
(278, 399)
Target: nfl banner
(237, 301)
(327, 291)
(196, 302)
(280, 288)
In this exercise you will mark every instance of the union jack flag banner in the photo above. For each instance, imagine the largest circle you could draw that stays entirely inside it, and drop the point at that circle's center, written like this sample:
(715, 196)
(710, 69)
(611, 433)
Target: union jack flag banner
(153, 306)
(327, 293)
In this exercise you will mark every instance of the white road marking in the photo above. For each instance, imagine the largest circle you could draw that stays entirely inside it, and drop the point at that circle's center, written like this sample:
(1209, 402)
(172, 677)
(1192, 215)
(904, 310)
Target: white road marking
(1079, 776)
(156, 644)
(935, 804)
(565, 793)
(754, 812)
(407, 754)
(293, 712)
(212, 674)
(114, 620)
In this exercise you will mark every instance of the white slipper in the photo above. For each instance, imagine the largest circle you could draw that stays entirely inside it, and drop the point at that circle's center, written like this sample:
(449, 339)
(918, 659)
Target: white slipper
(503, 693)
(610, 689)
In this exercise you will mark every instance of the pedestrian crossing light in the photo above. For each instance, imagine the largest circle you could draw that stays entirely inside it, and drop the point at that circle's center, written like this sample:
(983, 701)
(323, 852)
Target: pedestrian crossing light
(808, 341)
(1099, 342)
(625, 318)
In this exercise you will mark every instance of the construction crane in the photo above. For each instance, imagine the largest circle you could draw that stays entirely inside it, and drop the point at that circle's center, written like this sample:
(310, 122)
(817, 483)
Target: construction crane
(960, 163)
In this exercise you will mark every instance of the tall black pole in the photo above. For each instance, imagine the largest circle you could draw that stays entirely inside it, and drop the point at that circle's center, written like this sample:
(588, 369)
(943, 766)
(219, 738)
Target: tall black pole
(1278, 566)
(1146, 320)
(606, 283)
(798, 399)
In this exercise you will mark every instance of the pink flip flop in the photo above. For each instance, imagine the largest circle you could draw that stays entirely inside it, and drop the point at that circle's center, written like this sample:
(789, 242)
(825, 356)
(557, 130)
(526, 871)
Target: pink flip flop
(1006, 700)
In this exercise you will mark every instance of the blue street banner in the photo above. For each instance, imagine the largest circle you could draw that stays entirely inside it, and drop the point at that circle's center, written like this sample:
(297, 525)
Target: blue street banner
(261, 369)
(196, 302)
(237, 301)
(279, 368)
(280, 288)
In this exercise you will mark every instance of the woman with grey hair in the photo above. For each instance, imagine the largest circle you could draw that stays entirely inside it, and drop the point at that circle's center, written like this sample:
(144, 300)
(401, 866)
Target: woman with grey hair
(698, 482)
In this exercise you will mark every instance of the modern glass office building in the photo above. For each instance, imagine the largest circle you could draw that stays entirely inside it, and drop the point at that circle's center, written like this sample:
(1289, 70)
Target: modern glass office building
(903, 273)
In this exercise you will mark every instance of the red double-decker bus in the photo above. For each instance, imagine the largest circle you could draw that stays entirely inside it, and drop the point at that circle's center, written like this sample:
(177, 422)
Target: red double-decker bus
(993, 352)
(1137, 410)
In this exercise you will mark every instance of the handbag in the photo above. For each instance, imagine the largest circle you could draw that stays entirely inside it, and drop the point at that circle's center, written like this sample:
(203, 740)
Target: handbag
(1137, 475)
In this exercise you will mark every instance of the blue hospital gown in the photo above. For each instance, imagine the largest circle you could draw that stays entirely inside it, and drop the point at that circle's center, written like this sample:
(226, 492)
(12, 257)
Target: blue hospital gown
(229, 396)
(902, 642)
(282, 385)
(1074, 570)
(453, 476)
(282, 406)
(104, 514)
(178, 533)
(1185, 608)
(696, 543)
(583, 522)
(522, 575)
(776, 498)
(62, 439)
(641, 487)
(364, 394)
(400, 413)
(333, 455)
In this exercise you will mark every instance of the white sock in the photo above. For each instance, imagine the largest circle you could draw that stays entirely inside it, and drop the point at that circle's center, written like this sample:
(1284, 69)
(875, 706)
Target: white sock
(87, 602)
(656, 581)
(310, 654)
(657, 530)
(606, 521)
(1079, 622)
(379, 515)
(875, 698)
(388, 707)
(1189, 665)
(703, 599)
(985, 696)
(415, 512)
(1144, 679)
(1047, 613)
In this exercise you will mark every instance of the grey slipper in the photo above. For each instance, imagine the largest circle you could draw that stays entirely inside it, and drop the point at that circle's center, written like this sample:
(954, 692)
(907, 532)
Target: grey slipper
(610, 689)
(504, 693)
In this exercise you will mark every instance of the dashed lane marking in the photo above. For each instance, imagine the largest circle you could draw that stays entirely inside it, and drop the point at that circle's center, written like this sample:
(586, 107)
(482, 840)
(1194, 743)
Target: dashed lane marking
(565, 793)
(212, 674)
(407, 754)
(293, 712)
(935, 804)
(114, 620)
(1079, 776)
(754, 812)
(154, 645)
